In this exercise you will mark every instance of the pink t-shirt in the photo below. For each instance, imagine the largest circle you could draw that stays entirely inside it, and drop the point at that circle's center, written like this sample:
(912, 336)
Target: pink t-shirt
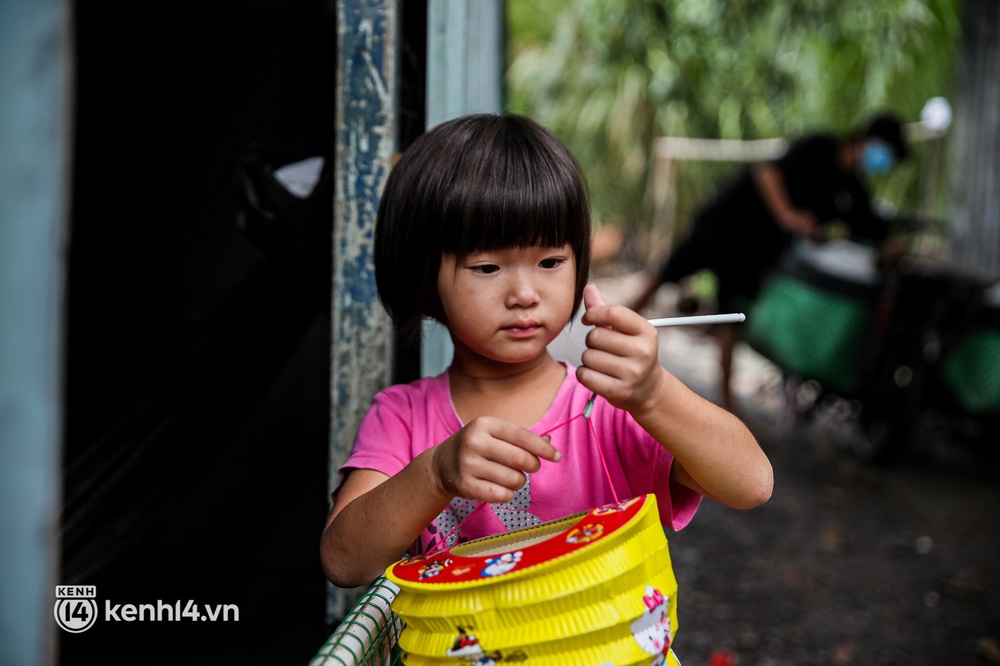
(407, 419)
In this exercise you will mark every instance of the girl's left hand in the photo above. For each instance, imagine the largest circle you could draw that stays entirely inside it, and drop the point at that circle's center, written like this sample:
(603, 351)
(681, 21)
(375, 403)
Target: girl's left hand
(621, 361)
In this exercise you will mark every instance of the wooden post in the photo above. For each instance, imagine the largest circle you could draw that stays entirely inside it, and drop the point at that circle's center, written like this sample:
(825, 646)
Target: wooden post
(361, 335)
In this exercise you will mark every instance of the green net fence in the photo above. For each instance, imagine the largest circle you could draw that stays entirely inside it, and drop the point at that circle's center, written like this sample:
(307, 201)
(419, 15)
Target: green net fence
(369, 633)
(810, 332)
(972, 371)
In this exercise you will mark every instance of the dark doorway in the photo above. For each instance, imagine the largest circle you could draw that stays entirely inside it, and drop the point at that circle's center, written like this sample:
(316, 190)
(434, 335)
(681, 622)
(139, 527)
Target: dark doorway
(195, 463)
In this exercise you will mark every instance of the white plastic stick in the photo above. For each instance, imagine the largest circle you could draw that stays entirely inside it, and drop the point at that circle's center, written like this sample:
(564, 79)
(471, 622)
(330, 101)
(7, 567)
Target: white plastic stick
(733, 318)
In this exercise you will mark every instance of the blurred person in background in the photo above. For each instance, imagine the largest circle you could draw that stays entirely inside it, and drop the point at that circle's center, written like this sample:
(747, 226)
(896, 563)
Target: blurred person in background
(741, 233)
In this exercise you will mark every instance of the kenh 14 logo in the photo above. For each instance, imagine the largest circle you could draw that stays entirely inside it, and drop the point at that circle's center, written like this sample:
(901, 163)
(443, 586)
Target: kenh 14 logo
(76, 607)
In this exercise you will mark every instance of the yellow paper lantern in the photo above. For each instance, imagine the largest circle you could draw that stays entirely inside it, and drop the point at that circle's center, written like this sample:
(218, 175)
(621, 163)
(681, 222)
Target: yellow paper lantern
(592, 589)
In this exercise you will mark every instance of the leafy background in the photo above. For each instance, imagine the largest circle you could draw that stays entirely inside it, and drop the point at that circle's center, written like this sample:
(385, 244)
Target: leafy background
(609, 77)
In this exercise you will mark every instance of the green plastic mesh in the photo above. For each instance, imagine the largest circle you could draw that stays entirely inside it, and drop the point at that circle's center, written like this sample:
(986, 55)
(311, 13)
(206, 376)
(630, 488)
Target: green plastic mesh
(971, 370)
(369, 633)
(810, 332)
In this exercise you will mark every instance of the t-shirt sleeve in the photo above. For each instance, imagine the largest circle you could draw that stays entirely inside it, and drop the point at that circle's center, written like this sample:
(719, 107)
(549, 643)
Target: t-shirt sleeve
(684, 502)
(649, 466)
(380, 442)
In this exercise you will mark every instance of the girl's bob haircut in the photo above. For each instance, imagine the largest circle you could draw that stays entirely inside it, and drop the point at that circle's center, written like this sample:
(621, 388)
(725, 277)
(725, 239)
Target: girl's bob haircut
(477, 183)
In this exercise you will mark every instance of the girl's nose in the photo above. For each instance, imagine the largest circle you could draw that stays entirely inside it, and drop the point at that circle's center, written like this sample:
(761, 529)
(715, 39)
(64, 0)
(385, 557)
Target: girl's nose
(523, 291)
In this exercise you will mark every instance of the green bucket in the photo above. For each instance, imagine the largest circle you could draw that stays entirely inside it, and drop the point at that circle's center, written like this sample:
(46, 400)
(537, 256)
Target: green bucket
(971, 368)
(814, 324)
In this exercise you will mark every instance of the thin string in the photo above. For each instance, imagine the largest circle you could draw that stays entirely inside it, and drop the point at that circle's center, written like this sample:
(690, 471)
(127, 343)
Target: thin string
(439, 543)
(604, 463)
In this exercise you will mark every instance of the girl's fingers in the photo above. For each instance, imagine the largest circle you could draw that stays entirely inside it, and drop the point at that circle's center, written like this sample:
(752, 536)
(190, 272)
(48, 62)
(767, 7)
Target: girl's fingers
(499, 455)
(610, 386)
(592, 296)
(617, 318)
(593, 304)
(492, 440)
(500, 475)
(601, 361)
(479, 478)
(617, 342)
(621, 355)
(527, 447)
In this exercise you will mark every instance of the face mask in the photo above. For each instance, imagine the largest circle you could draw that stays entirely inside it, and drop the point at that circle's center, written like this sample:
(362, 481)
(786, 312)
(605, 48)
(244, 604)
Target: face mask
(877, 158)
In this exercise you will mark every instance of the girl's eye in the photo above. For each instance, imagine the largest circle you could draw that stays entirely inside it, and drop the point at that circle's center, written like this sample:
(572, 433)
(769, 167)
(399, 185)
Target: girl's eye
(551, 262)
(485, 269)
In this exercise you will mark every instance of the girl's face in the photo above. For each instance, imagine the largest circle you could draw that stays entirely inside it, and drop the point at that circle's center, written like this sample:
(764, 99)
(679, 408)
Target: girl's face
(507, 305)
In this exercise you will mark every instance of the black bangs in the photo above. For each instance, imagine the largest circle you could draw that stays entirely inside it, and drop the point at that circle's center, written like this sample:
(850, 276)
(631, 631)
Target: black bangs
(513, 188)
(476, 183)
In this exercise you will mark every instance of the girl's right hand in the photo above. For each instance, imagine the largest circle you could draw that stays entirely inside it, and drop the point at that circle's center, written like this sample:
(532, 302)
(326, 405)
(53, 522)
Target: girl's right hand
(487, 460)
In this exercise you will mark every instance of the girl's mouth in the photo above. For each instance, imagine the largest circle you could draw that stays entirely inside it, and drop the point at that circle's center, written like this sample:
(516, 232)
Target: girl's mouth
(524, 329)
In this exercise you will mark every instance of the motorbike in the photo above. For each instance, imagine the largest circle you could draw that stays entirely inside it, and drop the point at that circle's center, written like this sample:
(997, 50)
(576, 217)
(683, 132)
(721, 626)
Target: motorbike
(913, 340)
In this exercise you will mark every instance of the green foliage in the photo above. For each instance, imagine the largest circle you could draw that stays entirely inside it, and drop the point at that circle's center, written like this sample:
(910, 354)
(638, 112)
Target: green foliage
(609, 76)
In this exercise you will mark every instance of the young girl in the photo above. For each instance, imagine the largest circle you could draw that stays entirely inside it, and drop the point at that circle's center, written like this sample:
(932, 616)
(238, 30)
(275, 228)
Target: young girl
(484, 226)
